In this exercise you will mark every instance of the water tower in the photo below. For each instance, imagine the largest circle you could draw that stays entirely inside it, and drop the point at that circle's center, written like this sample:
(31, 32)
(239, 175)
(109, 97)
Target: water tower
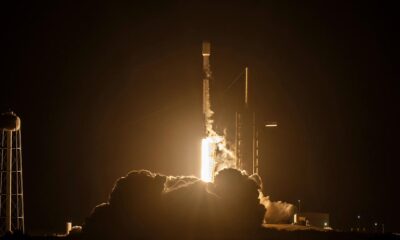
(11, 187)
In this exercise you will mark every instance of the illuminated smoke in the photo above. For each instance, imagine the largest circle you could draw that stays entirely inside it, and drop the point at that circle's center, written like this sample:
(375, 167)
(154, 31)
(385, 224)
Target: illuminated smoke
(175, 182)
(144, 205)
(277, 212)
(215, 156)
(215, 153)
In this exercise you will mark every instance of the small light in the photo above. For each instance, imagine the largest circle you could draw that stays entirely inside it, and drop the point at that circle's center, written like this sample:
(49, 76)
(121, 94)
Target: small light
(325, 224)
(358, 216)
(376, 224)
(271, 124)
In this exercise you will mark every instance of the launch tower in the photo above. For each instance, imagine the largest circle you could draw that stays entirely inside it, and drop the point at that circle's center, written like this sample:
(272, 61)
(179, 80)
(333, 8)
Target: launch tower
(246, 140)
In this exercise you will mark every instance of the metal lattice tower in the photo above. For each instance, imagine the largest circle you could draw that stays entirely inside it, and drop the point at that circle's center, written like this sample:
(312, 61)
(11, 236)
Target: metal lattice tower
(246, 139)
(11, 184)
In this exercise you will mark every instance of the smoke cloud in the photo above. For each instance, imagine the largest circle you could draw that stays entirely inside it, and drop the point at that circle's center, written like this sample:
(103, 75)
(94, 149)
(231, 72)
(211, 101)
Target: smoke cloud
(145, 205)
(132, 210)
(175, 182)
(277, 212)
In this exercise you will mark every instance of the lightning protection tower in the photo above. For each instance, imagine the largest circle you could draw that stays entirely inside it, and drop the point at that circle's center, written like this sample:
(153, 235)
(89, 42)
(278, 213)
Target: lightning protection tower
(11, 187)
(246, 134)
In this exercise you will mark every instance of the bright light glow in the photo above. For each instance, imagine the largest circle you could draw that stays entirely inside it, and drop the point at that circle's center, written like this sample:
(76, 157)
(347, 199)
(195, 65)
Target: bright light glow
(271, 124)
(207, 159)
(215, 156)
(209, 147)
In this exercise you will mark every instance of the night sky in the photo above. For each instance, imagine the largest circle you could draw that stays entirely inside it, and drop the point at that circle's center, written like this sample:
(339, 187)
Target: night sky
(105, 88)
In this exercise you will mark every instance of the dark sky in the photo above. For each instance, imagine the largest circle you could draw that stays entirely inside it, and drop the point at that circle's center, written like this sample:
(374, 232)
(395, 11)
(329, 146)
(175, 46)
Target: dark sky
(108, 87)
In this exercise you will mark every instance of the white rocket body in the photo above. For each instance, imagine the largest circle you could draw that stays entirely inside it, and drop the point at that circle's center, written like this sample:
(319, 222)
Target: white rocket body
(206, 88)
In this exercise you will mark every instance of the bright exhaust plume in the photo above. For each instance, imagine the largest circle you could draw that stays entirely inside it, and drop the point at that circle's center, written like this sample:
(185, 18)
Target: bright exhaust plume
(215, 156)
(209, 146)
(207, 160)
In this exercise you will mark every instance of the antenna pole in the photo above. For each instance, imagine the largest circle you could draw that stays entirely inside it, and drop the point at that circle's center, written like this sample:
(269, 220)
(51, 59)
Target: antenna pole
(246, 89)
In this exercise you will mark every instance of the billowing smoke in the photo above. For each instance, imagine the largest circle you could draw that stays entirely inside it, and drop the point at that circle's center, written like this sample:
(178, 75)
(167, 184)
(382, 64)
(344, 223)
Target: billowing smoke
(175, 182)
(133, 208)
(277, 212)
(224, 156)
(144, 205)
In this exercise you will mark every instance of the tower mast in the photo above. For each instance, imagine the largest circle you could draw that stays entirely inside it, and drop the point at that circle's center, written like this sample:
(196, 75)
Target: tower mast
(246, 134)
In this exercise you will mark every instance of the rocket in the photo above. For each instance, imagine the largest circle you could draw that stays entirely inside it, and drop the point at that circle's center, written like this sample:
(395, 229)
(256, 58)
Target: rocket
(206, 88)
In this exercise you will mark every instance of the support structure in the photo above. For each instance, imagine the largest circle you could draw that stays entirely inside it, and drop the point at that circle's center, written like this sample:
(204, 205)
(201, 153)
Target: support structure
(246, 140)
(11, 182)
